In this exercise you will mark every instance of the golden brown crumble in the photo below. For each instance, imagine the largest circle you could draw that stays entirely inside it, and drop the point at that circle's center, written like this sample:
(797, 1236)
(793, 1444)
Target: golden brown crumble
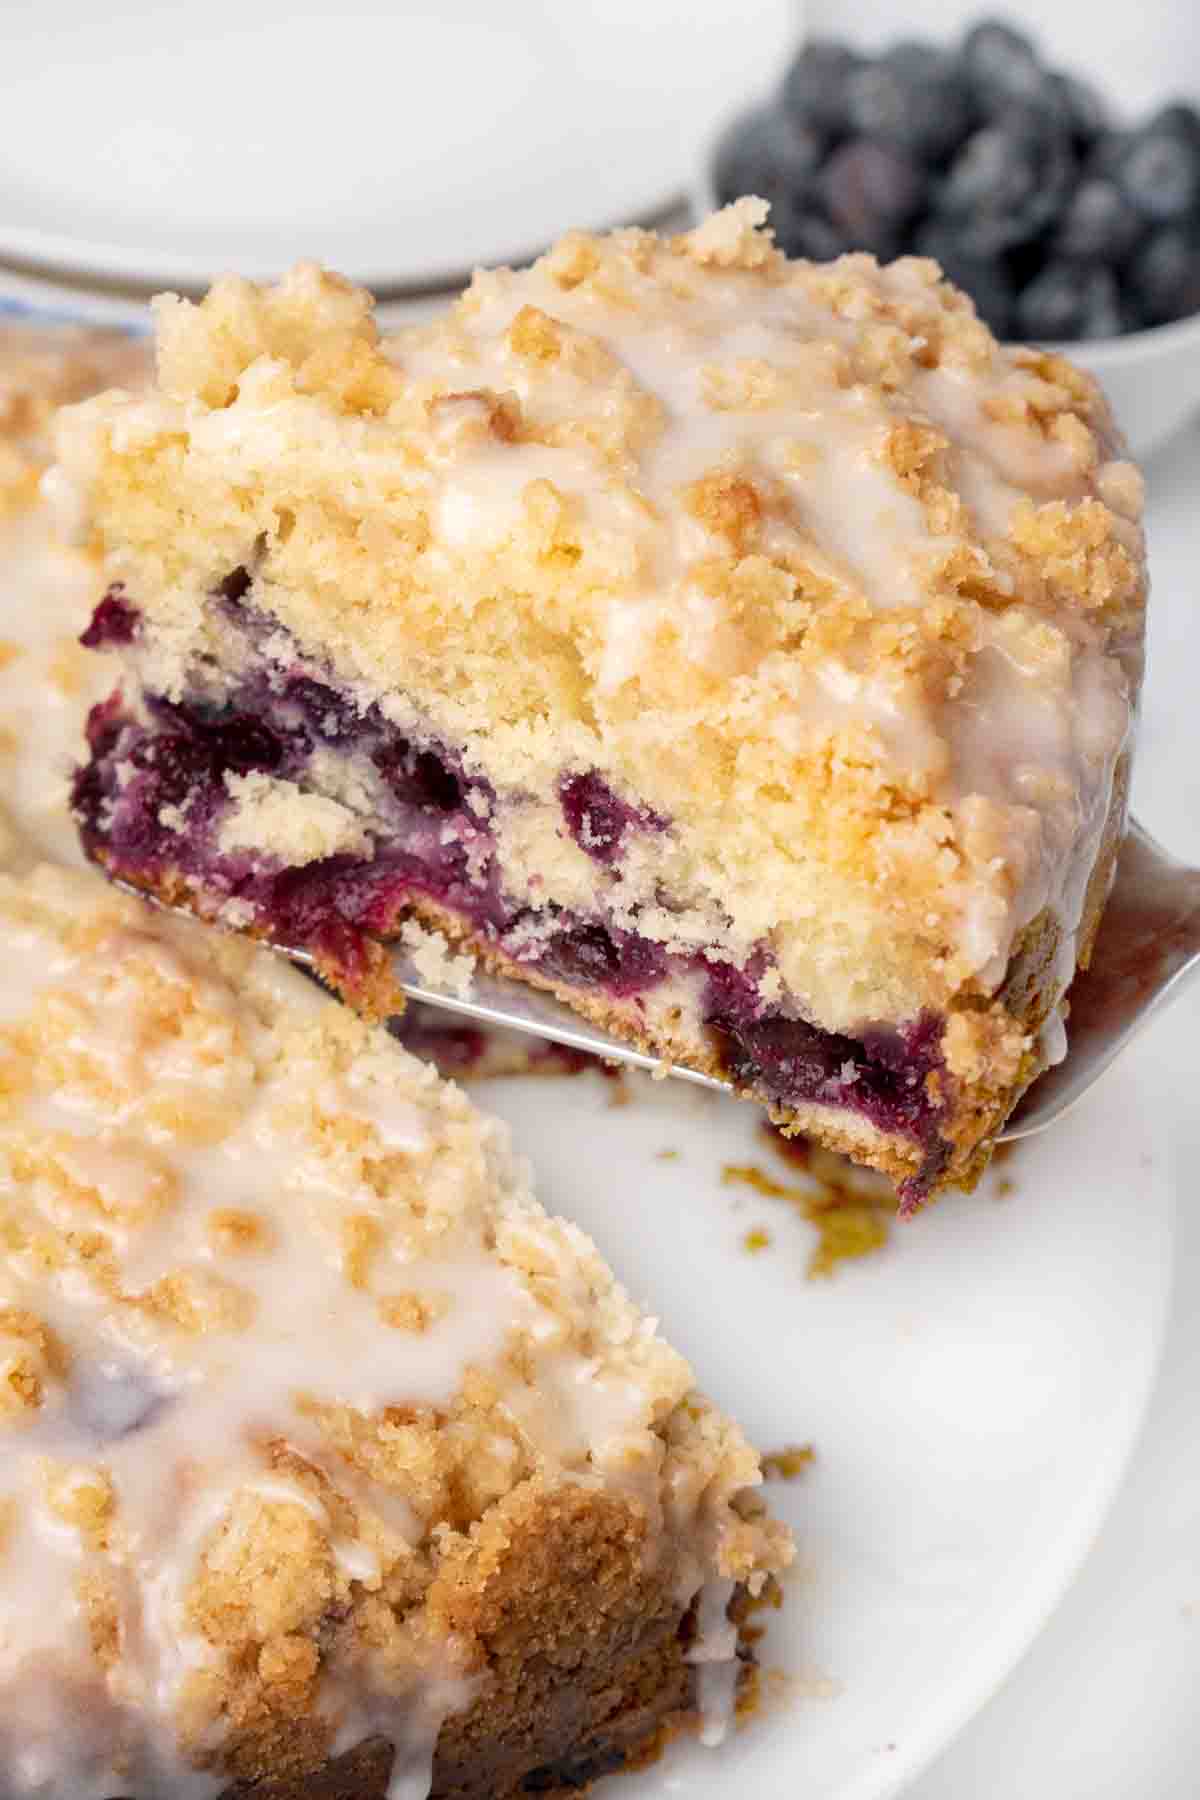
(789, 1463)
(850, 1210)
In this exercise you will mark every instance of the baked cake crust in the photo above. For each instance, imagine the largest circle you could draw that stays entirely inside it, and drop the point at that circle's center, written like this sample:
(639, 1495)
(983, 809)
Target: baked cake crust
(759, 616)
(319, 1432)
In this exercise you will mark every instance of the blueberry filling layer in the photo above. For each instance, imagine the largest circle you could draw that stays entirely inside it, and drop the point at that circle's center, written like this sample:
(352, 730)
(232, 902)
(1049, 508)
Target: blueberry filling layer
(152, 797)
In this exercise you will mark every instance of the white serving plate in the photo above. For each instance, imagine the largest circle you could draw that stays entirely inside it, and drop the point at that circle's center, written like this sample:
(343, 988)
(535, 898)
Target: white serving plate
(402, 144)
(973, 1393)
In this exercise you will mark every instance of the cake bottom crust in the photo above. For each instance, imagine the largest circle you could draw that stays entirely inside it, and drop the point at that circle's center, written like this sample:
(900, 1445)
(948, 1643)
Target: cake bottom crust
(587, 1670)
(653, 1703)
(967, 1129)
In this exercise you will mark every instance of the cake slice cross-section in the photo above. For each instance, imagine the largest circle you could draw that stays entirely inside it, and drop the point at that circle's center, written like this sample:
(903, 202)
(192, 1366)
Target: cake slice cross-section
(746, 651)
(332, 1464)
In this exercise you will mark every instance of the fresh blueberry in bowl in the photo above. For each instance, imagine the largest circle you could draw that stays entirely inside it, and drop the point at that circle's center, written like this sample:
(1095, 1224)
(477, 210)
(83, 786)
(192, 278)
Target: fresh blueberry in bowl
(767, 152)
(914, 97)
(1158, 167)
(870, 192)
(1098, 221)
(1070, 300)
(1000, 65)
(816, 86)
(802, 229)
(1164, 276)
(1065, 224)
(1008, 182)
(1085, 113)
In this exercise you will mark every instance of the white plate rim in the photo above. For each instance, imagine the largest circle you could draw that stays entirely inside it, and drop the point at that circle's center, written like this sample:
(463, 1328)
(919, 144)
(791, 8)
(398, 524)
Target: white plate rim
(1061, 1552)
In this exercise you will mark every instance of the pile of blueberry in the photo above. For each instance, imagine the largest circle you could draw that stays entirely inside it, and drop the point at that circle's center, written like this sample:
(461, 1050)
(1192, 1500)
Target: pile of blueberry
(1059, 223)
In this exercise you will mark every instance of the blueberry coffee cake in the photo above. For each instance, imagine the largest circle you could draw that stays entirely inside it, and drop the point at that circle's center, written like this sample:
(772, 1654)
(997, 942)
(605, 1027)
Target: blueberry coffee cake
(333, 1465)
(744, 650)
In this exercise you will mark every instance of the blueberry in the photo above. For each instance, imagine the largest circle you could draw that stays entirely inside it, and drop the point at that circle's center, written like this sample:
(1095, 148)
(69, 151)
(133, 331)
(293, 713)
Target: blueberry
(986, 279)
(418, 777)
(801, 230)
(1164, 276)
(241, 743)
(114, 621)
(814, 88)
(180, 765)
(1099, 222)
(1007, 183)
(1001, 66)
(319, 711)
(1084, 113)
(109, 1400)
(870, 192)
(437, 782)
(766, 153)
(1071, 300)
(596, 817)
(912, 97)
(1179, 118)
(1158, 169)
(621, 960)
(234, 585)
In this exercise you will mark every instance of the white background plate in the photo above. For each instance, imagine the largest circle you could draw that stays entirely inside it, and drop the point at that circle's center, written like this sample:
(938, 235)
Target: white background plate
(400, 143)
(973, 1393)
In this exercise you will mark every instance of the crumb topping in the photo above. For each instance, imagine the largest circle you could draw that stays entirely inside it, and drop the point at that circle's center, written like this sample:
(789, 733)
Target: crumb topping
(796, 556)
(281, 1331)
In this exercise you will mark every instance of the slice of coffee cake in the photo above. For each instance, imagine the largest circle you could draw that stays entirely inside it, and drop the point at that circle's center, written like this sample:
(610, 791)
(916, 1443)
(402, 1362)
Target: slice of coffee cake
(745, 650)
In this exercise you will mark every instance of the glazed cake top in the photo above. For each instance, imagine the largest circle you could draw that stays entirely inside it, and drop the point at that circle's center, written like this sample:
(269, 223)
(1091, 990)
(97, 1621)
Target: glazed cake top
(286, 1346)
(795, 555)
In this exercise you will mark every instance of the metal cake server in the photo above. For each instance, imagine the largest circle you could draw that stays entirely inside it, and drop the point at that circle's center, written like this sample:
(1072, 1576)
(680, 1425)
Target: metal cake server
(1147, 952)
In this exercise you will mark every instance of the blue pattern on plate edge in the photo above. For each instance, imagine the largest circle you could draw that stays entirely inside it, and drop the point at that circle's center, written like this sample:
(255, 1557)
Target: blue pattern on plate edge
(57, 315)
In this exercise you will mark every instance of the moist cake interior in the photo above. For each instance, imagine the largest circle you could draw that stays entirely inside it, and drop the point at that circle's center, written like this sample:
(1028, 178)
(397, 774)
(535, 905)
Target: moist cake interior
(152, 800)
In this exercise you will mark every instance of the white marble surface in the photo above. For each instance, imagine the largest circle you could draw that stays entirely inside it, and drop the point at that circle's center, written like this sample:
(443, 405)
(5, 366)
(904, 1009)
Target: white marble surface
(1106, 1704)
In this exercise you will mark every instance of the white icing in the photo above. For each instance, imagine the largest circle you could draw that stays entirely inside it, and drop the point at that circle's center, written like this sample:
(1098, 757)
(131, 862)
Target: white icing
(714, 1651)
